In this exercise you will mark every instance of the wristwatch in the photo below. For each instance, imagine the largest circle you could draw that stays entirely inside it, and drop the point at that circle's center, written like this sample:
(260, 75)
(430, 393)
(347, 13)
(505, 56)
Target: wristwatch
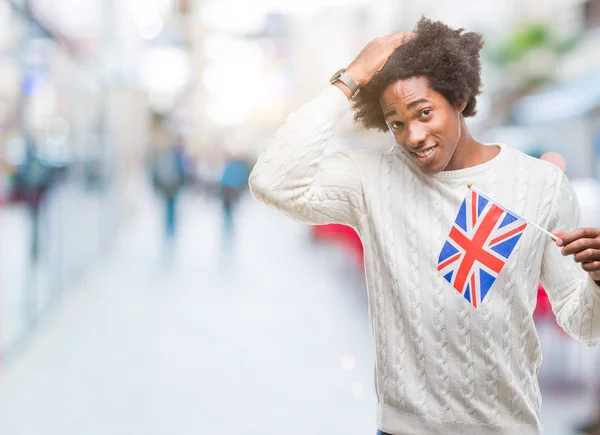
(346, 79)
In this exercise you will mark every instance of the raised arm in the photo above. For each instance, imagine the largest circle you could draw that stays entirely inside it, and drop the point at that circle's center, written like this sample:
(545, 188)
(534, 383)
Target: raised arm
(294, 175)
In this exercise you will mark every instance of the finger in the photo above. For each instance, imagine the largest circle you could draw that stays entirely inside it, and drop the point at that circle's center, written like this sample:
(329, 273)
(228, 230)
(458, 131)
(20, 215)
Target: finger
(587, 256)
(558, 234)
(593, 266)
(399, 38)
(580, 245)
(399, 35)
(580, 233)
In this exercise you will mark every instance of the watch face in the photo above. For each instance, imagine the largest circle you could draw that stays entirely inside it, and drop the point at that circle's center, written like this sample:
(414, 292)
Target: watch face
(336, 76)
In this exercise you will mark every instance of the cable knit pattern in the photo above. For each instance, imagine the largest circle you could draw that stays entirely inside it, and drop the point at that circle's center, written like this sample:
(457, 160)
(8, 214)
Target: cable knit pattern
(442, 366)
(491, 361)
(510, 344)
(380, 332)
(534, 260)
(414, 292)
(464, 340)
(441, 331)
(399, 350)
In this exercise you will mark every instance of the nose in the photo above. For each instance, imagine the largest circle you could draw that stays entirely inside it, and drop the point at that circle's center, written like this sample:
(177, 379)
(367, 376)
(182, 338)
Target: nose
(416, 136)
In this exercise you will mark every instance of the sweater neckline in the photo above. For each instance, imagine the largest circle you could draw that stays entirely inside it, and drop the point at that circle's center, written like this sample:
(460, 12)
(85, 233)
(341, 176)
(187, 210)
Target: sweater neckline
(472, 170)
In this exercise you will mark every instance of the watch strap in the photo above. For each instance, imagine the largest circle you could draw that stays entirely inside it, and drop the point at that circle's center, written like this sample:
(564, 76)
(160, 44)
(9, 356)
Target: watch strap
(346, 79)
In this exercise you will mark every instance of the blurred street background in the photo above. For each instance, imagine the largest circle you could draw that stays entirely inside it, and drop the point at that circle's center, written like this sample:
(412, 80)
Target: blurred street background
(143, 291)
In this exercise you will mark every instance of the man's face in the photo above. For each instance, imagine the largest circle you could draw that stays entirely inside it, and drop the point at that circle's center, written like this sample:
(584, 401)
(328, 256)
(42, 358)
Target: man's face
(423, 123)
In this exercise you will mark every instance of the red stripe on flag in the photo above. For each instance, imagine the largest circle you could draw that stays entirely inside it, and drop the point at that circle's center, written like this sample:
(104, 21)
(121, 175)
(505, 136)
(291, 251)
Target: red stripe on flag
(473, 291)
(508, 235)
(449, 261)
(474, 248)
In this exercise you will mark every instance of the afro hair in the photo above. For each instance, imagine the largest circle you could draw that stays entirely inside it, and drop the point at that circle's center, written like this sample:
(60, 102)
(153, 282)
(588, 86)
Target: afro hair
(448, 58)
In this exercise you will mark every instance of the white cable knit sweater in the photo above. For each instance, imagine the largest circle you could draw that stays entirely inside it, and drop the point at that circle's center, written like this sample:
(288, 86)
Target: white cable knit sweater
(442, 367)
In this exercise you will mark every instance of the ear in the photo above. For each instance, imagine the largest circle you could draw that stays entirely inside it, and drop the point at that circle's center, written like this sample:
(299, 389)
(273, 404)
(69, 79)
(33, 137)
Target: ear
(461, 107)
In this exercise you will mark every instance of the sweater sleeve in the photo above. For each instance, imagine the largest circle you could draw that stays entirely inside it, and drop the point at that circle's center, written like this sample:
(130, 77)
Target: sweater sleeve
(294, 175)
(574, 296)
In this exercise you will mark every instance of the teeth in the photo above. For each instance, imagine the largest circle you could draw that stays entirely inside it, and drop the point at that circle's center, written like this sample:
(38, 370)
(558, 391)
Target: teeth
(426, 153)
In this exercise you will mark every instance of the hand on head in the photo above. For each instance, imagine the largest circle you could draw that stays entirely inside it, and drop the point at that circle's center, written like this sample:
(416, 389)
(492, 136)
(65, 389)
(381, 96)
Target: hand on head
(373, 57)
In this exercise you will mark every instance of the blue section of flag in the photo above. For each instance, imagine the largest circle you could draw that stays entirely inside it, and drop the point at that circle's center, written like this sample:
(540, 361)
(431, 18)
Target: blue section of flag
(485, 281)
(468, 293)
(508, 219)
(505, 248)
(448, 277)
(447, 251)
(461, 219)
(481, 203)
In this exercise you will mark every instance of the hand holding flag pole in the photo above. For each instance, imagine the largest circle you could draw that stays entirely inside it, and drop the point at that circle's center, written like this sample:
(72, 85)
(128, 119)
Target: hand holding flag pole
(555, 238)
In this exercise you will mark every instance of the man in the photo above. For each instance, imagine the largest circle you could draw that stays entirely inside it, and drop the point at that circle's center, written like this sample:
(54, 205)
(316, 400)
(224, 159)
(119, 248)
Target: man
(168, 177)
(234, 181)
(442, 365)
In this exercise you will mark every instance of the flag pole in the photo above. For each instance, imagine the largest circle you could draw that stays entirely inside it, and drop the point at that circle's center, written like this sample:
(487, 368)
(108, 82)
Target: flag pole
(555, 238)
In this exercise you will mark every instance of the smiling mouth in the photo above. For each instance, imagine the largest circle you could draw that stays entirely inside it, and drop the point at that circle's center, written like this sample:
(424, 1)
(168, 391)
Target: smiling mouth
(425, 153)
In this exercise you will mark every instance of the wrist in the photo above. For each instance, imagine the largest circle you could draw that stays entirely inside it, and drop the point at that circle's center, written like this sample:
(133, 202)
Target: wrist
(345, 89)
(345, 82)
(359, 78)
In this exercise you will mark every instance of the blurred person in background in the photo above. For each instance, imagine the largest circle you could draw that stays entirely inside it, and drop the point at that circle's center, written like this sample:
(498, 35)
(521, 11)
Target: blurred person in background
(32, 180)
(446, 361)
(168, 178)
(234, 180)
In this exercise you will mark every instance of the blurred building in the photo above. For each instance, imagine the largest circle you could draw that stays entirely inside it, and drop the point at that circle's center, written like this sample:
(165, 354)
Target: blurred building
(75, 94)
(562, 114)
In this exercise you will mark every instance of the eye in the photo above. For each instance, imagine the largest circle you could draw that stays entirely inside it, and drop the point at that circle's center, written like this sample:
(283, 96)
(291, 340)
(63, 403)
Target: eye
(425, 113)
(395, 125)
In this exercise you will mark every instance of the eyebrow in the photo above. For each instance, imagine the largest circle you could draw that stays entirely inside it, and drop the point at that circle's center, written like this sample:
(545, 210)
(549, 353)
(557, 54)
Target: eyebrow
(409, 106)
(389, 113)
(415, 103)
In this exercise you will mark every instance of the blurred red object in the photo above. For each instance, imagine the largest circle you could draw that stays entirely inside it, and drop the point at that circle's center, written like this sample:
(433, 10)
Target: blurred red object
(543, 308)
(344, 235)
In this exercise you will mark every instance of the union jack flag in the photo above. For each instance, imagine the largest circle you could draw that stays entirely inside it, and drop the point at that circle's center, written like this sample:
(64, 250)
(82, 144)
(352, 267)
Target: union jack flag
(482, 238)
